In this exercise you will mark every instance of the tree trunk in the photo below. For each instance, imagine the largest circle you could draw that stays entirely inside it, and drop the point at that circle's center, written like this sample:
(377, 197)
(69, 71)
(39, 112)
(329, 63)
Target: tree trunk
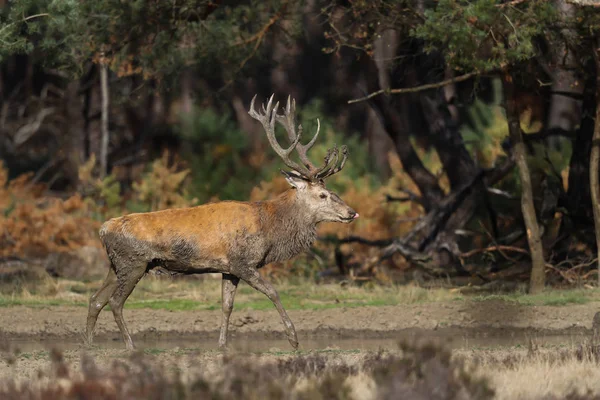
(595, 158)
(105, 98)
(71, 143)
(565, 111)
(537, 280)
(394, 118)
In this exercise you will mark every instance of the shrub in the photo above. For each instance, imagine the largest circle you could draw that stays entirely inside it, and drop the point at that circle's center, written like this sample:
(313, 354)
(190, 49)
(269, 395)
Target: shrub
(419, 372)
(217, 153)
(34, 225)
(162, 187)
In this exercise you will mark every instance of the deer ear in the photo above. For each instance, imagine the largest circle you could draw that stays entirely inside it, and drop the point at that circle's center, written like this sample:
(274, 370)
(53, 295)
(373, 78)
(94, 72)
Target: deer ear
(295, 180)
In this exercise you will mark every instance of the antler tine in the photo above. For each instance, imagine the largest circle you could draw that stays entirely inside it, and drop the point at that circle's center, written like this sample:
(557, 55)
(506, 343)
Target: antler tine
(331, 159)
(288, 120)
(267, 119)
(303, 148)
(335, 170)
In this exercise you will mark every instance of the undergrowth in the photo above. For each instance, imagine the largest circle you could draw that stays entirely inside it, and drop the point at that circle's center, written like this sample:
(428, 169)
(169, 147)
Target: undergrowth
(181, 295)
(417, 371)
(36, 224)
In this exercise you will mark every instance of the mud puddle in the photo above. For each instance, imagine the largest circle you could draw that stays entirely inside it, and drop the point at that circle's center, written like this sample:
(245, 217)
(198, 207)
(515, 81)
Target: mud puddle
(244, 344)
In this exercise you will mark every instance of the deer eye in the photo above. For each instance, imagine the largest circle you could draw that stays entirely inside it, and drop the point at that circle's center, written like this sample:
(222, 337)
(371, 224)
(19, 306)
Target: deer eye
(323, 196)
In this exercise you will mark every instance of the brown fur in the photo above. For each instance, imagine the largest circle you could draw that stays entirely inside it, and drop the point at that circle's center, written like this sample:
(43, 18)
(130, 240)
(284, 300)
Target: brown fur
(233, 238)
(230, 237)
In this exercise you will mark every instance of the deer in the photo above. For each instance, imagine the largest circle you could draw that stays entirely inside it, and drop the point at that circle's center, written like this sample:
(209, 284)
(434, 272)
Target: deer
(232, 238)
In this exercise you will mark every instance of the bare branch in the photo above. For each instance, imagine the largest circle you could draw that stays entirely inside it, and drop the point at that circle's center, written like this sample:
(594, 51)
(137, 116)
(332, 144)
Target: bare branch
(25, 132)
(104, 122)
(24, 20)
(415, 89)
(257, 38)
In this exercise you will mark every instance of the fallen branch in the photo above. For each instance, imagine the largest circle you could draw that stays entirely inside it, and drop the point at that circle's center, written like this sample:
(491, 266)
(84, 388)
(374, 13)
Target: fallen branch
(442, 214)
(561, 273)
(493, 248)
(356, 239)
(585, 3)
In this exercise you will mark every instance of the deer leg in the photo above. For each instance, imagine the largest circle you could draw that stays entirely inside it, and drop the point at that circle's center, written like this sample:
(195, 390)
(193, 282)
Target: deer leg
(125, 286)
(98, 302)
(253, 278)
(228, 288)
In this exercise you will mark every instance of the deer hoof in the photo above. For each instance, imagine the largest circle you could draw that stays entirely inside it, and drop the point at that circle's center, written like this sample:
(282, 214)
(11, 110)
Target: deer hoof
(294, 343)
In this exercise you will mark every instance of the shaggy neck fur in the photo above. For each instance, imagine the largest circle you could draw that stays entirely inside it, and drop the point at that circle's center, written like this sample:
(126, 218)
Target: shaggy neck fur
(291, 228)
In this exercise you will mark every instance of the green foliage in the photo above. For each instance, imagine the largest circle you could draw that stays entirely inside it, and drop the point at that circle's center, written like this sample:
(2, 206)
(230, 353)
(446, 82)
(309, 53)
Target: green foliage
(153, 38)
(51, 27)
(104, 193)
(110, 191)
(482, 34)
(215, 150)
(547, 298)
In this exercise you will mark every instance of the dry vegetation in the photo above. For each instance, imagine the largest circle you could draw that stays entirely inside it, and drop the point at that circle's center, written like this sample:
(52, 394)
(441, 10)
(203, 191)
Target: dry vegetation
(421, 371)
(35, 224)
(414, 370)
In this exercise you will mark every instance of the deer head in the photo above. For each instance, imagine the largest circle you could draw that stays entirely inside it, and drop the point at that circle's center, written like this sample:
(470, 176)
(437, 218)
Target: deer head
(309, 180)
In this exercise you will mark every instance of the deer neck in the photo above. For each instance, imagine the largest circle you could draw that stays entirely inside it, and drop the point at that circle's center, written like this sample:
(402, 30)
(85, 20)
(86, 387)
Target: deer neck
(291, 228)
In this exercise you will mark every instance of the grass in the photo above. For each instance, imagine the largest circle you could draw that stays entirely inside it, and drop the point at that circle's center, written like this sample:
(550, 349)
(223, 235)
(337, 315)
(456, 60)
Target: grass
(205, 294)
(547, 298)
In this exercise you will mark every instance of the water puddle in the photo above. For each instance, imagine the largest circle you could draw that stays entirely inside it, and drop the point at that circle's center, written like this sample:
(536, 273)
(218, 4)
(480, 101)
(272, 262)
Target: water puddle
(243, 344)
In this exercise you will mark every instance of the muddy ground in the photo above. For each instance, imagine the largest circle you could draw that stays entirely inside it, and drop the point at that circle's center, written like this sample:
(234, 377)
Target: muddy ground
(189, 338)
(470, 319)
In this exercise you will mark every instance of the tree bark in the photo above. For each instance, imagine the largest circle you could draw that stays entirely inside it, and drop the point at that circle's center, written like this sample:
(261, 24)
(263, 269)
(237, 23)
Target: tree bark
(537, 280)
(565, 111)
(595, 157)
(105, 99)
(71, 143)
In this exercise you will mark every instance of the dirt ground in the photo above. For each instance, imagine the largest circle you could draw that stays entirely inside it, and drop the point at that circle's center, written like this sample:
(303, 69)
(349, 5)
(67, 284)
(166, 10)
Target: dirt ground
(188, 339)
(468, 318)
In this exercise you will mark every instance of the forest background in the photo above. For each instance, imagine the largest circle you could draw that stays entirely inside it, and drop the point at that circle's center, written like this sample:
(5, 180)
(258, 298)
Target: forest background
(470, 127)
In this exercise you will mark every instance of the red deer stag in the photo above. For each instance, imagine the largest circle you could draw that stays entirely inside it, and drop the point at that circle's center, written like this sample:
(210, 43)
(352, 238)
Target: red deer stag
(229, 237)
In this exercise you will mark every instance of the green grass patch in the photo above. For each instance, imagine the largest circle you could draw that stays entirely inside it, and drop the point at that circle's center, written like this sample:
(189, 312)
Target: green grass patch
(11, 301)
(546, 298)
(161, 294)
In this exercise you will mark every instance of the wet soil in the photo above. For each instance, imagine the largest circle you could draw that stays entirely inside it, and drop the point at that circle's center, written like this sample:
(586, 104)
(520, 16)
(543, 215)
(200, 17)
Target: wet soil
(464, 320)
(188, 336)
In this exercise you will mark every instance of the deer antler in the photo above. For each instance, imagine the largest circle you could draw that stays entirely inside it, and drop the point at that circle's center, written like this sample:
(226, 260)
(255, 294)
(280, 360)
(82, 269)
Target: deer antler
(288, 120)
(267, 119)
